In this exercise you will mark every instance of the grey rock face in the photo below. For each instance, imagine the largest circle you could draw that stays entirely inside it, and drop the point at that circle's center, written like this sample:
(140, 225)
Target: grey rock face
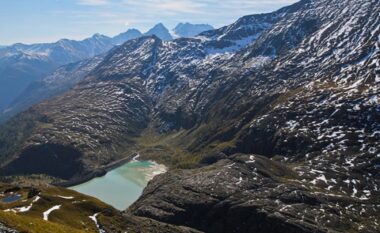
(248, 193)
(4, 229)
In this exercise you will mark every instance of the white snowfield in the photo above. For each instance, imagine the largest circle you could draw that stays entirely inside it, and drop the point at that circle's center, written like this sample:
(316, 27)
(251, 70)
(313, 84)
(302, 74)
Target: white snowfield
(24, 208)
(65, 197)
(93, 218)
(48, 212)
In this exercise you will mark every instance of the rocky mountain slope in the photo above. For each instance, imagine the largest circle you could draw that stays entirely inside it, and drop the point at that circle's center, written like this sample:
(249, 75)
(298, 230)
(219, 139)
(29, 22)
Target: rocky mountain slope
(127, 87)
(65, 76)
(299, 87)
(251, 193)
(22, 65)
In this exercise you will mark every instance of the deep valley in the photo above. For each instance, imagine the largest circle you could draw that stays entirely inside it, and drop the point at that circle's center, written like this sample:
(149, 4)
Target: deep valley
(268, 125)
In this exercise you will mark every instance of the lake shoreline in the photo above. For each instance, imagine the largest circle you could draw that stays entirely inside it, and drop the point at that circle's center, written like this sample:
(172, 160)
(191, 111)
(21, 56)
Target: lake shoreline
(100, 172)
(123, 185)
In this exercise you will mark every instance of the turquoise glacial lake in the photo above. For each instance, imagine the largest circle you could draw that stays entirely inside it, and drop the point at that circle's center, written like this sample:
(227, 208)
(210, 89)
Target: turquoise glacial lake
(123, 185)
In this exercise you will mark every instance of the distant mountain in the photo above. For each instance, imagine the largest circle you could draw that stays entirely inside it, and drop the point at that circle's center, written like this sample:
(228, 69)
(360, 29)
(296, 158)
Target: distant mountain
(21, 64)
(61, 52)
(160, 31)
(191, 30)
(24, 69)
(61, 80)
(125, 36)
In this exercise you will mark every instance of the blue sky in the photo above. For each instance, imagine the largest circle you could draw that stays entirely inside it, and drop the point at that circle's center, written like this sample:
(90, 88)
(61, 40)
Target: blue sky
(32, 21)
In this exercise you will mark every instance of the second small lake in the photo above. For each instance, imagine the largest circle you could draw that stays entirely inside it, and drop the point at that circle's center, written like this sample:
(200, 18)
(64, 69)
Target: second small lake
(11, 198)
(122, 186)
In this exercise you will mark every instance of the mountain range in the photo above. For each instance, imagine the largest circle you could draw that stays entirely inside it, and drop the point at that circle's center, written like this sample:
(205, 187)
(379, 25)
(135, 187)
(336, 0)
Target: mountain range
(21, 65)
(270, 124)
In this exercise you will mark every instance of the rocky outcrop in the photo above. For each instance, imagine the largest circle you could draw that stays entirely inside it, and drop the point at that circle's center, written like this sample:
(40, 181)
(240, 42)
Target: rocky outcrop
(5, 229)
(134, 224)
(251, 193)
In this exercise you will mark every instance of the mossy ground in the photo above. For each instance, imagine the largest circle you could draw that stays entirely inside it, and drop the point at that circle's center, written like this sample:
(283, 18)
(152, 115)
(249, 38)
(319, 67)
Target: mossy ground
(166, 149)
(35, 225)
(182, 149)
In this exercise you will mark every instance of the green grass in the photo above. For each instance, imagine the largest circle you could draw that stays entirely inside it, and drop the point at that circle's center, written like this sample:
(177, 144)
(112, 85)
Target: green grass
(73, 216)
(35, 225)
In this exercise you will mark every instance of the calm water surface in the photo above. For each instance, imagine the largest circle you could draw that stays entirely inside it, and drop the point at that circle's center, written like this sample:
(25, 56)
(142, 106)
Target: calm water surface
(11, 198)
(122, 186)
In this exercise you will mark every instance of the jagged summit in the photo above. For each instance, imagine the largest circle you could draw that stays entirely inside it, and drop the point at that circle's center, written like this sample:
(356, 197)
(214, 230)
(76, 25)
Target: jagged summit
(160, 31)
